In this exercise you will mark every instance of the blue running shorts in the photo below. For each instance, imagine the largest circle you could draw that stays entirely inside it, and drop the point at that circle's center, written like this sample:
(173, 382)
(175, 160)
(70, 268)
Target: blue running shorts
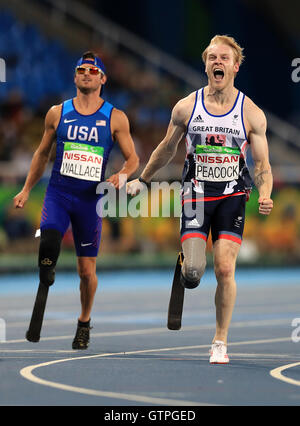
(61, 209)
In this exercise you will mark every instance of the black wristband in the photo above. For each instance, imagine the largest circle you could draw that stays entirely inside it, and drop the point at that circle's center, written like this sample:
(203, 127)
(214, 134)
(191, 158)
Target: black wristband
(143, 181)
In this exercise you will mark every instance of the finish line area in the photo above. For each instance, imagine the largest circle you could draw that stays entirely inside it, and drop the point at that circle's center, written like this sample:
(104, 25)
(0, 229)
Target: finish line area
(134, 360)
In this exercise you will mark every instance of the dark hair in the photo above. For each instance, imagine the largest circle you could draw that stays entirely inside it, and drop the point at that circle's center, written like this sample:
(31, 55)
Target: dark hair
(89, 54)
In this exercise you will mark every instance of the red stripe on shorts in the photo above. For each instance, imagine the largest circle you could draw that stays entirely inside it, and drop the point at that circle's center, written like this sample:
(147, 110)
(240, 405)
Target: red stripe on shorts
(213, 198)
(230, 238)
(193, 235)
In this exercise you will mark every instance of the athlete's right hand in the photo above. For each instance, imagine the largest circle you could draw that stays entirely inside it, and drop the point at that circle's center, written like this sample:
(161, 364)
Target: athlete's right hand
(21, 199)
(135, 187)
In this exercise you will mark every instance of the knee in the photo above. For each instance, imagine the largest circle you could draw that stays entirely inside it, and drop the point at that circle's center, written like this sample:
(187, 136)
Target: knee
(192, 274)
(47, 275)
(48, 255)
(86, 275)
(224, 271)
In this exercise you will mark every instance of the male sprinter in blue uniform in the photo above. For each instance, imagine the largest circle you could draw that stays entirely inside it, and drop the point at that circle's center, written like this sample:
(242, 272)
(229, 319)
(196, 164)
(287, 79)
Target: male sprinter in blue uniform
(85, 129)
(217, 124)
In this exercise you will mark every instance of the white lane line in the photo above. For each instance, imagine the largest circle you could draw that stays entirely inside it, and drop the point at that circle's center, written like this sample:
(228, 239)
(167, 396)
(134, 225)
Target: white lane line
(106, 319)
(276, 373)
(107, 334)
(240, 324)
(257, 342)
(27, 373)
(38, 351)
(242, 355)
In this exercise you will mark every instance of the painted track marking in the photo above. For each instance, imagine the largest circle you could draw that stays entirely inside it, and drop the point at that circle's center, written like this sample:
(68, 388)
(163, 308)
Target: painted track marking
(237, 324)
(27, 373)
(276, 373)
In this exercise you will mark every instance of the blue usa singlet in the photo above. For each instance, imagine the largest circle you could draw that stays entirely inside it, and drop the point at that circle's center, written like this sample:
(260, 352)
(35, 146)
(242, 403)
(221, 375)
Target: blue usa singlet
(84, 143)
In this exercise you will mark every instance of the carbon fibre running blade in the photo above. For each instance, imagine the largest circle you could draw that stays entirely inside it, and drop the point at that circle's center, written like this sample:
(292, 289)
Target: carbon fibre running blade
(176, 299)
(35, 326)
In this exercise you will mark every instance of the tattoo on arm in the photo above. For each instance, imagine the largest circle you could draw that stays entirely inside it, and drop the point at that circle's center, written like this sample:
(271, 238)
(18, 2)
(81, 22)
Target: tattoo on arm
(259, 179)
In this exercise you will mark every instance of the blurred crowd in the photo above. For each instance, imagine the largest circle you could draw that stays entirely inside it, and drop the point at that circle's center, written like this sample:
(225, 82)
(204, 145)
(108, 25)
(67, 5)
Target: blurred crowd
(144, 93)
(147, 96)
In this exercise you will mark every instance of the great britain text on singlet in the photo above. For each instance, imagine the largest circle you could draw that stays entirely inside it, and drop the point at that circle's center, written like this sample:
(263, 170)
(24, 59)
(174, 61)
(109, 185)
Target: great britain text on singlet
(216, 129)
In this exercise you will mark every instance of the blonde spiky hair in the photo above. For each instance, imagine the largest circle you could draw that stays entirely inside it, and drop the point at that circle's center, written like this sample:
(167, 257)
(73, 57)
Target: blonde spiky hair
(230, 41)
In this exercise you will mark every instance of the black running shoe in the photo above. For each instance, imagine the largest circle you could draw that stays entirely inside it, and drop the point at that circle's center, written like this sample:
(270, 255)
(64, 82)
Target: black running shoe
(82, 338)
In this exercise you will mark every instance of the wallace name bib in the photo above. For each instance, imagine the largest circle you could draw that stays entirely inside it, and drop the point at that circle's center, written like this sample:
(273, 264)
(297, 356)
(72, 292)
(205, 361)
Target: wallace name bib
(82, 161)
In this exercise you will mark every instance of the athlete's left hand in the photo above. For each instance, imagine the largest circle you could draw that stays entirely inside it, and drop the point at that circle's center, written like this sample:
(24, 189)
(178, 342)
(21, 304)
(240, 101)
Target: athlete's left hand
(265, 205)
(118, 180)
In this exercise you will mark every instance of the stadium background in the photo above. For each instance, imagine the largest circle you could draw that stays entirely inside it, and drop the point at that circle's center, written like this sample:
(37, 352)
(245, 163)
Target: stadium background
(152, 52)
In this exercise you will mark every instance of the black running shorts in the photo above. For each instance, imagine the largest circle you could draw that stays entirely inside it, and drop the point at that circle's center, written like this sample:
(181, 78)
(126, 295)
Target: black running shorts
(224, 216)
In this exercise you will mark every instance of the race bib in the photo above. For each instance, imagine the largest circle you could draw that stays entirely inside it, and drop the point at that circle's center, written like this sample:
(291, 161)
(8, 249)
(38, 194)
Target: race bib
(217, 163)
(82, 161)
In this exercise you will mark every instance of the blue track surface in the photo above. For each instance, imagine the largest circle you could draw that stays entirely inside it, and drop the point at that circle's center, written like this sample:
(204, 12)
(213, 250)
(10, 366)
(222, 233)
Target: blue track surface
(146, 280)
(134, 360)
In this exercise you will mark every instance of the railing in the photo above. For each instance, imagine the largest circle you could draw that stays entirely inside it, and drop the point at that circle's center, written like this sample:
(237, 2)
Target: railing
(157, 57)
(60, 10)
(284, 130)
(120, 36)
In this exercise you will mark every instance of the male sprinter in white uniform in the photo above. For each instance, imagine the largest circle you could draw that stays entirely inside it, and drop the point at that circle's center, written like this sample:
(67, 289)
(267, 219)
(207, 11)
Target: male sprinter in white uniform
(86, 129)
(217, 123)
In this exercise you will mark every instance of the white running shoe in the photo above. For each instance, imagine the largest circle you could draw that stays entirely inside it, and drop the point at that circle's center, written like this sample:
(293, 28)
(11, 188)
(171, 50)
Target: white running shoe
(218, 353)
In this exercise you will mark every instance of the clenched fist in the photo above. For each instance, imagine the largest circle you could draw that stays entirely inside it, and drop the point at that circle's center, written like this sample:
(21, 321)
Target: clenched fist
(21, 199)
(265, 205)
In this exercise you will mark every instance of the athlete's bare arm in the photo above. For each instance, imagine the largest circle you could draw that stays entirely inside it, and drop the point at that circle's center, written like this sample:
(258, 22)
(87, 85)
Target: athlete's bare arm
(257, 125)
(41, 156)
(167, 148)
(121, 134)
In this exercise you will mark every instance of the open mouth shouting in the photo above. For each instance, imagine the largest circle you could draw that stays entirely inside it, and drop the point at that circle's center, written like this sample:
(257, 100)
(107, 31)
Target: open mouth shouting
(218, 74)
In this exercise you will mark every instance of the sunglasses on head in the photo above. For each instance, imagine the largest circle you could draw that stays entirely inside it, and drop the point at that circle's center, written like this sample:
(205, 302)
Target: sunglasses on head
(91, 70)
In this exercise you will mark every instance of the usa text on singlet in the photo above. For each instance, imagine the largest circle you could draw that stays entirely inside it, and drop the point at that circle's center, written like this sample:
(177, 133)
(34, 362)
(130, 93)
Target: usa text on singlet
(84, 143)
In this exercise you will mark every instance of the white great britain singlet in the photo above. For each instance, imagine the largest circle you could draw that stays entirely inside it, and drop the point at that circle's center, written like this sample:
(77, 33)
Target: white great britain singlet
(216, 150)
